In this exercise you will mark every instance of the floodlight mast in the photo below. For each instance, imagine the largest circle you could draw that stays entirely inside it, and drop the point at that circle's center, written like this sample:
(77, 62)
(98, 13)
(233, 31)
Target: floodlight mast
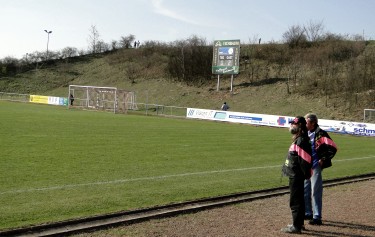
(48, 32)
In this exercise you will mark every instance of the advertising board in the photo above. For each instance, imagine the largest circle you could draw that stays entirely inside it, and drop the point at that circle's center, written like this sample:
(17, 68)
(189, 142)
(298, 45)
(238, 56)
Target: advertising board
(343, 127)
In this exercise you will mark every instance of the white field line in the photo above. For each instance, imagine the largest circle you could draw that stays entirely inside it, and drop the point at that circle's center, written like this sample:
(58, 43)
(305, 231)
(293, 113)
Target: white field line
(156, 177)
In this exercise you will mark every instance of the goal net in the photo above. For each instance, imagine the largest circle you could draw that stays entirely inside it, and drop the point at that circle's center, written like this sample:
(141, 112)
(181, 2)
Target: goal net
(101, 98)
(369, 115)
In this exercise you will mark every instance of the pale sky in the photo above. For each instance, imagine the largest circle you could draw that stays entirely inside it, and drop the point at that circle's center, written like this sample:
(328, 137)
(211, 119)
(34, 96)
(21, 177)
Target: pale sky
(22, 22)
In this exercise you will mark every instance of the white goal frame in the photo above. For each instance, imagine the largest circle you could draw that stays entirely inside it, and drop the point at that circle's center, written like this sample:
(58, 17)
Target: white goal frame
(101, 98)
(369, 115)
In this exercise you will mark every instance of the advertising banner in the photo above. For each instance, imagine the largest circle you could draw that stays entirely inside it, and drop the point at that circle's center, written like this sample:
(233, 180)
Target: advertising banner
(346, 127)
(343, 127)
(51, 100)
(39, 99)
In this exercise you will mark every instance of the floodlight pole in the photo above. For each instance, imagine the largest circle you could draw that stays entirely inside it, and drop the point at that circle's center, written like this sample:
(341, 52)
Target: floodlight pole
(48, 32)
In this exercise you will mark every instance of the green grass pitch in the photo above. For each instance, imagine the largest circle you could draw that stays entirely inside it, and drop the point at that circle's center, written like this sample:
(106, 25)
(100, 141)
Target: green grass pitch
(59, 164)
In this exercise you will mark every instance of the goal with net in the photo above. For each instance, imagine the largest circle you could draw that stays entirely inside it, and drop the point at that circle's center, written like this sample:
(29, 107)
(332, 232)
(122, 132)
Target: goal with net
(101, 98)
(369, 115)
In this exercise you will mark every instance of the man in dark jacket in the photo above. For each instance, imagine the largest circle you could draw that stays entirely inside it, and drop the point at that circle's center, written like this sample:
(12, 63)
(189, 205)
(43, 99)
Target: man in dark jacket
(71, 97)
(225, 106)
(323, 150)
(298, 168)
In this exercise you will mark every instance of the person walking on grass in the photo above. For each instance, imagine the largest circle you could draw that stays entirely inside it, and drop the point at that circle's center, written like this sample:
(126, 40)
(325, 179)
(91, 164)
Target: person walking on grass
(297, 167)
(323, 150)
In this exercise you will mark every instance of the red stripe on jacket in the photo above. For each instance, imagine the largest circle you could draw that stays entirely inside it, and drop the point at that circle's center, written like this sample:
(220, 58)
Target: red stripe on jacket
(301, 152)
(325, 140)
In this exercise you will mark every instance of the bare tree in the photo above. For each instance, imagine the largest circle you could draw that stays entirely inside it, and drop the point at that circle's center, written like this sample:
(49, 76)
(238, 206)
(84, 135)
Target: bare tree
(93, 39)
(126, 41)
(82, 52)
(314, 31)
(101, 47)
(328, 36)
(69, 52)
(114, 45)
(295, 36)
(9, 66)
(190, 60)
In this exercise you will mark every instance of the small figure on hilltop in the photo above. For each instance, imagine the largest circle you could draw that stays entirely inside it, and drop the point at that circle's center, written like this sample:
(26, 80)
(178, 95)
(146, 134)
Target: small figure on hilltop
(225, 107)
(136, 44)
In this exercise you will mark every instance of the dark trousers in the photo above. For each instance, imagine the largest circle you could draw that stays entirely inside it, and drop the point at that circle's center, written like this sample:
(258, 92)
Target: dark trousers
(297, 201)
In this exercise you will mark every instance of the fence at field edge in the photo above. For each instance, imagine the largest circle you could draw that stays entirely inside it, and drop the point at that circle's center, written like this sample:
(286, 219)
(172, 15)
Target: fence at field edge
(14, 97)
(142, 108)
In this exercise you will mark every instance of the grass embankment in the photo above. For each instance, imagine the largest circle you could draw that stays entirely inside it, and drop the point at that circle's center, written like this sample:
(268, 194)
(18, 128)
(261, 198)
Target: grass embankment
(152, 85)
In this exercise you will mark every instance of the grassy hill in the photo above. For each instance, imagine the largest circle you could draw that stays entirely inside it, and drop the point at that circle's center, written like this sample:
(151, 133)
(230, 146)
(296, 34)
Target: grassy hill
(146, 75)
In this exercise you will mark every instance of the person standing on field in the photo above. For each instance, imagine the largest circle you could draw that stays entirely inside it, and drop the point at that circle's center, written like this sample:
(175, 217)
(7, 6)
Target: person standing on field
(323, 150)
(297, 167)
(71, 98)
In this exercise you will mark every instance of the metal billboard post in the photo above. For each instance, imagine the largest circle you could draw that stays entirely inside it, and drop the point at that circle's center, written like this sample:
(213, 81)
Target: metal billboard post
(226, 54)
(231, 83)
(218, 82)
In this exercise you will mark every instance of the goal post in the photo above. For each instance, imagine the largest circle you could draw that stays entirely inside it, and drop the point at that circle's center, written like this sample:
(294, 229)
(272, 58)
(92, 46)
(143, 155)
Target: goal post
(125, 101)
(369, 115)
(101, 98)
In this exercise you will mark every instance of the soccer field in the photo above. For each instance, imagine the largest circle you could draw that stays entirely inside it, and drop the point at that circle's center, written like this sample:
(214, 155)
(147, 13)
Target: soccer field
(58, 164)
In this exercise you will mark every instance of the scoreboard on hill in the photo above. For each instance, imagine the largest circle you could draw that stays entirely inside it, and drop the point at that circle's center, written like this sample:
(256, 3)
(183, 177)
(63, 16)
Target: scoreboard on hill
(226, 55)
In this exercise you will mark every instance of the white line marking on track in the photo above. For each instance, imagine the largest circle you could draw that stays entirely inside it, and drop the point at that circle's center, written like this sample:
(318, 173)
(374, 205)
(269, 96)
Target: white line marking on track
(157, 177)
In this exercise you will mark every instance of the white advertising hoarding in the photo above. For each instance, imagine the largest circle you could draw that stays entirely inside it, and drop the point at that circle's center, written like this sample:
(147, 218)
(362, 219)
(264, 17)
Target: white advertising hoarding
(344, 127)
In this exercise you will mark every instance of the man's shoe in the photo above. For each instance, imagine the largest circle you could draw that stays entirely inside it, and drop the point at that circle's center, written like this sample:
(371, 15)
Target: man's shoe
(302, 228)
(291, 230)
(308, 217)
(315, 222)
